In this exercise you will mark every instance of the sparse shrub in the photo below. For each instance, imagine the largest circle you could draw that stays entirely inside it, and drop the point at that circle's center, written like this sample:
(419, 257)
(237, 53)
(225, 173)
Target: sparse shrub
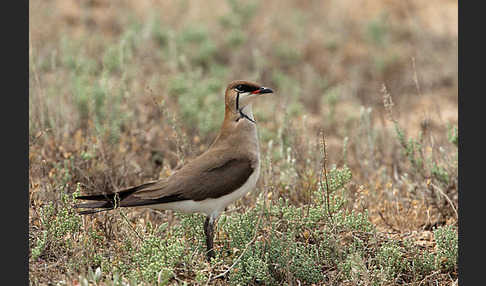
(377, 30)
(453, 135)
(423, 263)
(292, 89)
(195, 93)
(159, 32)
(354, 268)
(56, 222)
(197, 46)
(432, 173)
(447, 245)
(288, 56)
(234, 22)
(331, 98)
(391, 259)
(253, 268)
(117, 55)
(157, 253)
(92, 104)
(81, 99)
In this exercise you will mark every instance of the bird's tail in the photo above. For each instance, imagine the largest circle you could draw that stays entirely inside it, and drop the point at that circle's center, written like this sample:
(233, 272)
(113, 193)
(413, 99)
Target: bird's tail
(106, 202)
(101, 203)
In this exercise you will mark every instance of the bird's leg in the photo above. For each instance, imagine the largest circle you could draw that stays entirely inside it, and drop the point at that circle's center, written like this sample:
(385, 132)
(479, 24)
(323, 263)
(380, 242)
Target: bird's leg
(209, 232)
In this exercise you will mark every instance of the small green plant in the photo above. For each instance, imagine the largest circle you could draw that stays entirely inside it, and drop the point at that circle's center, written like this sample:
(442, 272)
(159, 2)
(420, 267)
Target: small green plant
(331, 98)
(447, 244)
(423, 263)
(195, 94)
(120, 53)
(453, 135)
(159, 31)
(391, 259)
(234, 22)
(56, 221)
(157, 253)
(288, 55)
(377, 30)
(286, 82)
(432, 172)
(197, 47)
(81, 98)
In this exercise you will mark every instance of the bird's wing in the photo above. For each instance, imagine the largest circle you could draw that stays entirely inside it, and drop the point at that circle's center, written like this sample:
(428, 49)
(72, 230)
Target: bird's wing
(200, 179)
(208, 176)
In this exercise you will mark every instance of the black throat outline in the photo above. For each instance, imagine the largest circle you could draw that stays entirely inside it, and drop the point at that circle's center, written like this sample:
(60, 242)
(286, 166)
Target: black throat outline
(242, 115)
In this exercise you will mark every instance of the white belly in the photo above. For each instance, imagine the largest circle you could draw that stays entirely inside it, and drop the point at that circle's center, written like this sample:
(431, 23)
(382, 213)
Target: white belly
(211, 207)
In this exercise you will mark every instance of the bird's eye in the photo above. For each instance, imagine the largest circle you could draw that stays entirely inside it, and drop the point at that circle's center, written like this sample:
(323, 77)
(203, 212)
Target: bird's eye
(245, 88)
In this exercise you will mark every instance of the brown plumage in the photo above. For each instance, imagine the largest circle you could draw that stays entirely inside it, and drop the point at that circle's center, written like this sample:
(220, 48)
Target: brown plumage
(198, 180)
(208, 183)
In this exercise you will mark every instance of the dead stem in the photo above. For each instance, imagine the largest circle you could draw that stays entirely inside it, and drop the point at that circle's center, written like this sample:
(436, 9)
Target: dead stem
(324, 172)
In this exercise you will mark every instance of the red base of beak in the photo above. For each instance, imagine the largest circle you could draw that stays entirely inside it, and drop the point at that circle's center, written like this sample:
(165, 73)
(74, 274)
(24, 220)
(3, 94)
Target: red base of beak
(262, 90)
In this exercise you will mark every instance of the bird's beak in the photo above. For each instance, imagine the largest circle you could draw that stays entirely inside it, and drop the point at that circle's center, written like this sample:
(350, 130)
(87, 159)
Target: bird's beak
(262, 90)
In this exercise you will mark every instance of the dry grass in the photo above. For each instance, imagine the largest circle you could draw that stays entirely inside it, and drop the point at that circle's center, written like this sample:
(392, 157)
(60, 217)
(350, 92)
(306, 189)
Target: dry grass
(120, 94)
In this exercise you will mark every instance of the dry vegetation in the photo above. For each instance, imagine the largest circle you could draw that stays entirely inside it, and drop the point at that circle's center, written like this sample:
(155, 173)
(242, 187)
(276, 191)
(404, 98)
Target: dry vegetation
(123, 92)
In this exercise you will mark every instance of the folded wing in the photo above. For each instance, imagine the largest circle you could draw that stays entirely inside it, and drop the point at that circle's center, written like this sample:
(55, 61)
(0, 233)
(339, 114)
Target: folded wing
(198, 180)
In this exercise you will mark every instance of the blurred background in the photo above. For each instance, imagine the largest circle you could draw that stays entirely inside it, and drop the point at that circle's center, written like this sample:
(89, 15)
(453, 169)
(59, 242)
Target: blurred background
(125, 91)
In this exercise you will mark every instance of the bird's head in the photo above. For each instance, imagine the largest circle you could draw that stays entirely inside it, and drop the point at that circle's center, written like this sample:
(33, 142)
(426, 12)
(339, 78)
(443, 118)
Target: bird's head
(241, 93)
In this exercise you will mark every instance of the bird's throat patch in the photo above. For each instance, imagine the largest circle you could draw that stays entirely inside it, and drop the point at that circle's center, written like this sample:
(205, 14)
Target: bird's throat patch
(242, 115)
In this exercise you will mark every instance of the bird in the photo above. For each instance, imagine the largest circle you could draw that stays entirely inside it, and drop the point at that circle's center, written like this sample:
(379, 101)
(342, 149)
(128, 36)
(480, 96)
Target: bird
(209, 183)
